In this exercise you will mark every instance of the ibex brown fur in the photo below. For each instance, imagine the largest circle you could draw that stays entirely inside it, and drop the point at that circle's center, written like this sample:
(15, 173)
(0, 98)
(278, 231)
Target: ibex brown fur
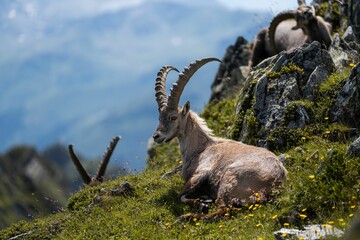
(289, 30)
(226, 171)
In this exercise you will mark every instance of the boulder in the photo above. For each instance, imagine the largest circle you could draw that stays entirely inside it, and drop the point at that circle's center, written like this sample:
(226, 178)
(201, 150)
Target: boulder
(354, 149)
(309, 232)
(347, 104)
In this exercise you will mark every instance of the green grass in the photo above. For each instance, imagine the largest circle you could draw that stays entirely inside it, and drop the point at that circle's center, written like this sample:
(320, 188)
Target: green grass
(323, 186)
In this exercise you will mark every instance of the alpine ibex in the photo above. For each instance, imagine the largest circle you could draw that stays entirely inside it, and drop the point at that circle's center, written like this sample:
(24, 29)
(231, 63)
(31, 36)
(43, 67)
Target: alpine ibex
(289, 30)
(99, 177)
(226, 171)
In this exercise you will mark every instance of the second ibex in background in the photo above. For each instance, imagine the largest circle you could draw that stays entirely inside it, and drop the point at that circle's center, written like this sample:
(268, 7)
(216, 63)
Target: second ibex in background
(99, 177)
(226, 171)
(288, 30)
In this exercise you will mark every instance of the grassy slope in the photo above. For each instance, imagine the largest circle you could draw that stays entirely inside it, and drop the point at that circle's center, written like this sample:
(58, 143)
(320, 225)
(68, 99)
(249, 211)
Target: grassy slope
(309, 196)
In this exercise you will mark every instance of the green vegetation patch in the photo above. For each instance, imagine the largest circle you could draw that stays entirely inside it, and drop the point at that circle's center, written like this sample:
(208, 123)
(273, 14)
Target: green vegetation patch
(323, 186)
(286, 69)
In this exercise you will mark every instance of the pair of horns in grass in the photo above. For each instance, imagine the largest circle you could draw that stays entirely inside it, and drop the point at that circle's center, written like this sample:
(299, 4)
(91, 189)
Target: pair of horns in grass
(99, 177)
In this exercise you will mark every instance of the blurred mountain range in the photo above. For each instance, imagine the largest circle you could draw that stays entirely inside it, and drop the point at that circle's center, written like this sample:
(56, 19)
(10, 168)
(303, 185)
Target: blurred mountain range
(81, 73)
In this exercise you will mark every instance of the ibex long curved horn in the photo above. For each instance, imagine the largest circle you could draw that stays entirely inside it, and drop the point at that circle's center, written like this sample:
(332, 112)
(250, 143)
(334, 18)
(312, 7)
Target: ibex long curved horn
(275, 22)
(184, 77)
(83, 173)
(103, 164)
(160, 86)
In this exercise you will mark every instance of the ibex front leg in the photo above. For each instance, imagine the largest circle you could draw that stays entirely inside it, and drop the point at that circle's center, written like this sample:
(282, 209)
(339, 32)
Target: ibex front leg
(191, 196)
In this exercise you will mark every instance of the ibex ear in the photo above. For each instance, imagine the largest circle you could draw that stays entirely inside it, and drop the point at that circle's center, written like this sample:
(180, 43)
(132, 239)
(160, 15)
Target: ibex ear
(185, 108)
(301, 2)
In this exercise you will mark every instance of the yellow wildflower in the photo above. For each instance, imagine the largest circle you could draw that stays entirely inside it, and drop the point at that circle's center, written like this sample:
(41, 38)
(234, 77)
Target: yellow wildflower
(302, 216)
(284, 235)
(286, 224)
(326, 118)
(351, 215)
(327, 132)
(304, 209)
(274, 217)
(221, 226)
(352, 65)
(197, 224)
(258, 225)
(311, 176)
(353, 206)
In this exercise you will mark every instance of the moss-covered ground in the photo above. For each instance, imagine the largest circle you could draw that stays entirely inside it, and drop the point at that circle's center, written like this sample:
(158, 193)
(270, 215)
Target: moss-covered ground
(323, 186)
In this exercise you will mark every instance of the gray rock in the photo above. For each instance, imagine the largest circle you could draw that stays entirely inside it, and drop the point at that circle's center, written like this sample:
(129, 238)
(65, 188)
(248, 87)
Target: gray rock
(317, 77)
(349, 35)
(347, 105)
(309, 232)
(232, 71)
(354, 149)
(343, 53)
(301, 120)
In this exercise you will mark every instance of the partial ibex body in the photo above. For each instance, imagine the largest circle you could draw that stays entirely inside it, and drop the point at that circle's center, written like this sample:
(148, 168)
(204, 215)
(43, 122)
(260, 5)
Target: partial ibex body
(227, 171)
(289, 30)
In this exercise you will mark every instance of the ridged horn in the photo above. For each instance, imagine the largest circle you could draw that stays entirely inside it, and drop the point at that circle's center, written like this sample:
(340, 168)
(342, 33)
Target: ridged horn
(84, 175)
(105, 160)
(184, 77)
(285, 15)
(160, 86)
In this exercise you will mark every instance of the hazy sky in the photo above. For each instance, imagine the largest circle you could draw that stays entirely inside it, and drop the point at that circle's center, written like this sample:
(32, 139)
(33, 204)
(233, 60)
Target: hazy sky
(267, 5)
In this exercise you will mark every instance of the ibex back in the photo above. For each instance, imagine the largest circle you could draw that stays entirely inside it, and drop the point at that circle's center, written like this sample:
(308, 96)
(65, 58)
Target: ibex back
(289, 30)
(227, 171)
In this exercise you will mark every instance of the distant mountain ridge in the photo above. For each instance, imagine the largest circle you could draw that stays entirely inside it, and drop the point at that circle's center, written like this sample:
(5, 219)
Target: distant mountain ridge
(85, 79)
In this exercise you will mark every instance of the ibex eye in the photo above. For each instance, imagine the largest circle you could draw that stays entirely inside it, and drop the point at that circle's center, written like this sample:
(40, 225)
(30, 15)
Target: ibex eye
(173, 118)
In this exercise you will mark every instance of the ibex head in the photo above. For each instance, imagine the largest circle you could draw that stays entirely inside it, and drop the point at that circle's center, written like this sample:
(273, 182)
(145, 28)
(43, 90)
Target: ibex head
(171, 116)
(304, 15)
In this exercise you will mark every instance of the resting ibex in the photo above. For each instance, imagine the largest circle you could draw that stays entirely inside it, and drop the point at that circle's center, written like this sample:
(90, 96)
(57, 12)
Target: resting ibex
(289, 30)
(99, 177)
(226, 171)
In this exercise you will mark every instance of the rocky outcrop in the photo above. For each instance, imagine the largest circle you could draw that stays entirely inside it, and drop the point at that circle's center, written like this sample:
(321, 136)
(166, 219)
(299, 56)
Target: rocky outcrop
(232, 71)
(274, 93)
(279, 92)
(347, 105)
